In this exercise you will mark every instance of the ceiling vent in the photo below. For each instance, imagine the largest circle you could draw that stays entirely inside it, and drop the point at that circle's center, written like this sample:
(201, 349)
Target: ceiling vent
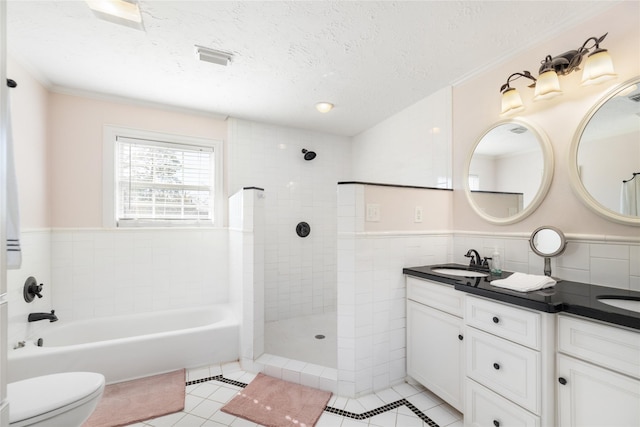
(519, 129)
(213, 56)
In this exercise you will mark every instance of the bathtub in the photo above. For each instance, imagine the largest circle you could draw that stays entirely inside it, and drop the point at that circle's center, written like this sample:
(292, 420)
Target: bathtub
(131, 346)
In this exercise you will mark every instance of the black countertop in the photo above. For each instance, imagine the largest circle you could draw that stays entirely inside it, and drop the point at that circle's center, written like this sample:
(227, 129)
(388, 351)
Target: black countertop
(565, 297)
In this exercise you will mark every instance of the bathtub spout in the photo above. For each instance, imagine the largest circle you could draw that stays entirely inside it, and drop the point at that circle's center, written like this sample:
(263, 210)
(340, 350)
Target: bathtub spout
(34, 317)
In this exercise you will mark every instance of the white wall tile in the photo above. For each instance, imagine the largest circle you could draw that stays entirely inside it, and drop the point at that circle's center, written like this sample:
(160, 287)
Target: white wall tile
(610, 272)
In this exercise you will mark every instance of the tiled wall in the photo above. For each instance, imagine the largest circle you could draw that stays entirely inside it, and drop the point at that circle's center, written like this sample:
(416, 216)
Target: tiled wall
(35, 262)
(97, 272)
(300, 273)
(246, 271)
(371, 295)
(107, 272)
(600, 260)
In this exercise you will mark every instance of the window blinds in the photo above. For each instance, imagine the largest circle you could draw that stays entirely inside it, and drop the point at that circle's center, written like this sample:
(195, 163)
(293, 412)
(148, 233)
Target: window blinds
(160, 181)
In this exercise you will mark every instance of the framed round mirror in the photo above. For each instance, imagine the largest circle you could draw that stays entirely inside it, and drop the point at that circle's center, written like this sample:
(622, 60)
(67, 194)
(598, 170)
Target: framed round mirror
(547, 242)
(604, 157)
(509, 171)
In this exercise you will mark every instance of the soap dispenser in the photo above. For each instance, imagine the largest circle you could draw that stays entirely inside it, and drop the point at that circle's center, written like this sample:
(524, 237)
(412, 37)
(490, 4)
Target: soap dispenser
(496, 263)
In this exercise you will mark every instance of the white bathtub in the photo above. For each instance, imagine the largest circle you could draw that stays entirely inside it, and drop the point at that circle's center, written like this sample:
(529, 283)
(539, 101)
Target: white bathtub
(132, 346)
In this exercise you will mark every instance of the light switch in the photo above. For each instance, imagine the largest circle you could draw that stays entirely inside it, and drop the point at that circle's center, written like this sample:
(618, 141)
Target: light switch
(418, 214)
(373, 212)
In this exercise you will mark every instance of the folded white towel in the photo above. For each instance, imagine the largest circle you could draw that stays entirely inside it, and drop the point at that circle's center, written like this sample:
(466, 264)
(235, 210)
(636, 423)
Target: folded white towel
(524, 282)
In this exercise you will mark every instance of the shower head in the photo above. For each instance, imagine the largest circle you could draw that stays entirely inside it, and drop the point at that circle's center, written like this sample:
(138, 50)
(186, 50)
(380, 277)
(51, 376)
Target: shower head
(308, 155)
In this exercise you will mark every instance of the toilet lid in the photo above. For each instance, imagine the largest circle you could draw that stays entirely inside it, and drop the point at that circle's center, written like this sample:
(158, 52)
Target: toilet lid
(35, 396)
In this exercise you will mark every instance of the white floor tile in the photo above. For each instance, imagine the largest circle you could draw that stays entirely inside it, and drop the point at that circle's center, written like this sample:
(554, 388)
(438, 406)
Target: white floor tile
(384, 420)
(329, 420)
(190, 421)
(206, 408)
(441, 415)
(408, 421)
(389, 395)
(223, 394)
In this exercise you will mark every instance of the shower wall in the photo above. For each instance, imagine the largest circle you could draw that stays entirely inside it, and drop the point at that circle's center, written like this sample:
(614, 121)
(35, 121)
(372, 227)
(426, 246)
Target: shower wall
(300, 273)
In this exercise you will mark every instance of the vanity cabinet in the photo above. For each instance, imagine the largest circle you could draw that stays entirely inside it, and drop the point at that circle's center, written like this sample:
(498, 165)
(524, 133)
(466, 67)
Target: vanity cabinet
(435, 347)
(598, 374)
(509, 365)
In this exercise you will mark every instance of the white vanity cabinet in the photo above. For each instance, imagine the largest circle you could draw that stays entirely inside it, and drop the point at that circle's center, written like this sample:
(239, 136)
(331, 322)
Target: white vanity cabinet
(435, 347)
(509, 365)
(598, 373)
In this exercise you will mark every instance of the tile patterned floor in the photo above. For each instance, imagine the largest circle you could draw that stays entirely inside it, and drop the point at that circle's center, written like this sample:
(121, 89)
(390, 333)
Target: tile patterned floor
(205, 398)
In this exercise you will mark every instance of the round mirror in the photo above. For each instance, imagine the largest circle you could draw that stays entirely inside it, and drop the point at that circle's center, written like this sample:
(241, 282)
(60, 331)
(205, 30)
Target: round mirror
(509, 171)
(547, 242)
(605, 155)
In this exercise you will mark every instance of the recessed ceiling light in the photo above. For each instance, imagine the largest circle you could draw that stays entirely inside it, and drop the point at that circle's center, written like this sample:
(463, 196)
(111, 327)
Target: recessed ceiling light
(123, 12)
(324, 107)
(214, 56)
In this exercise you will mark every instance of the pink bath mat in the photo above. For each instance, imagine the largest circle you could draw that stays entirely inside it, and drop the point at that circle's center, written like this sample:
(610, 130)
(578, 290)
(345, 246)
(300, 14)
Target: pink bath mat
(277, 403)
(137, 400)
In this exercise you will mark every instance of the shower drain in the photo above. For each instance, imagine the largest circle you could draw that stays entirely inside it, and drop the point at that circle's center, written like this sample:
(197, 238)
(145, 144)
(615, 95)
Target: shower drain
(319, 337)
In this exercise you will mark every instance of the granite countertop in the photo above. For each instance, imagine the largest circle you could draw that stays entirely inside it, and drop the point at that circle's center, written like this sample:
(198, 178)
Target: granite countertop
(565, 297)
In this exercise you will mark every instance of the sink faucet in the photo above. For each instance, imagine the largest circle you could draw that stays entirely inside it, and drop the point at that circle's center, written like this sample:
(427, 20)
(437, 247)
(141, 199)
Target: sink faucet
(34, 317)
(475, 257)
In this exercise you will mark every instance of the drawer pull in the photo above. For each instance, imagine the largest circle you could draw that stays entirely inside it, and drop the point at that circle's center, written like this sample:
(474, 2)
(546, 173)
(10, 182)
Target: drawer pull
(495, 319)
(460, 337)
(562, 381)
(496, 423)
(496, 366)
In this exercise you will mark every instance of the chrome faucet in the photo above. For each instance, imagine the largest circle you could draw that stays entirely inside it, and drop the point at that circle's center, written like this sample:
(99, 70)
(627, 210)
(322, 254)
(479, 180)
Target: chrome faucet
(34, 317)
(475, 257)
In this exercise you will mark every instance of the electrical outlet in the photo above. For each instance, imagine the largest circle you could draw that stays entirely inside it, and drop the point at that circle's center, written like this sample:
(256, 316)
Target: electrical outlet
(418, 214)
(373, 212)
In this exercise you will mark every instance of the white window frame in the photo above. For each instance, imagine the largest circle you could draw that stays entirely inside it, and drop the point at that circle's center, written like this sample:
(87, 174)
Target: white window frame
(109, 185)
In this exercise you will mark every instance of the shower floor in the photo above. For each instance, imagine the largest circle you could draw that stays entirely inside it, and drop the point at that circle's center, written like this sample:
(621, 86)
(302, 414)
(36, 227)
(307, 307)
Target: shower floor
(295, 339)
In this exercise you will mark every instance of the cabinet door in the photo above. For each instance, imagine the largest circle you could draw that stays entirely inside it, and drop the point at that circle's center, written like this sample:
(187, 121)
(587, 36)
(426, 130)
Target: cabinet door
(435, 351)
(592, 396)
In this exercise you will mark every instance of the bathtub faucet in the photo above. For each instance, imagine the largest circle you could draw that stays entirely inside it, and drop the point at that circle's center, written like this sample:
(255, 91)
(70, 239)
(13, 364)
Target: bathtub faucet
(34, 317)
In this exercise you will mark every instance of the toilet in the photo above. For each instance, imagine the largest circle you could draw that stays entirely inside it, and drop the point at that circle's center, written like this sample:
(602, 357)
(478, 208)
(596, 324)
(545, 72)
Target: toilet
(57, 400)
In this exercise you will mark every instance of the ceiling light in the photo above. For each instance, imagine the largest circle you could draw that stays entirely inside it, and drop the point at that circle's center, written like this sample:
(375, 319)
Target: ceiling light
(324, 107)
(123, 12)
(214, 56)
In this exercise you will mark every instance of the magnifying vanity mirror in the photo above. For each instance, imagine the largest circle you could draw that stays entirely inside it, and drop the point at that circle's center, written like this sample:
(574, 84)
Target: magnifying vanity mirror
(547, 242)
(509, 171)
(605, 155)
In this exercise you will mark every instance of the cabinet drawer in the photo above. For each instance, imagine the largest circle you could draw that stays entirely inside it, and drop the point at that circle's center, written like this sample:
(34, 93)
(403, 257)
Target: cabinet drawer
(609, 346)
(436, 295)
(509, 369)
(485, 408)
(506, 321)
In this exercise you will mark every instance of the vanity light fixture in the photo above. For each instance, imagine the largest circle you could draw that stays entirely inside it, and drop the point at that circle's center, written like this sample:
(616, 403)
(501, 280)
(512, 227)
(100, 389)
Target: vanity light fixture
(324, 107)
(598, 68)
(511, 100)
(122, 12)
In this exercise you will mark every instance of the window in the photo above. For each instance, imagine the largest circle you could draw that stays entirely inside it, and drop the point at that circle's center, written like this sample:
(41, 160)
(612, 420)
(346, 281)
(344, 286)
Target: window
(161, 180)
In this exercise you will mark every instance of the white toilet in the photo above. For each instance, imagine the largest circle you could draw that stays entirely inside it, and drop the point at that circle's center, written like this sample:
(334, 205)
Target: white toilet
(57, 400)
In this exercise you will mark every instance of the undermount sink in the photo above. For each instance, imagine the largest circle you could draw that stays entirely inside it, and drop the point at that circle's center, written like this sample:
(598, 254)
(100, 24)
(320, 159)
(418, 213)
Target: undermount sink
(628, 303)
(459, 272)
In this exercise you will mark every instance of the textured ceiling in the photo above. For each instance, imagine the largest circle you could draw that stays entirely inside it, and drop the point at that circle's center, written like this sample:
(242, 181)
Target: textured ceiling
(370, 58)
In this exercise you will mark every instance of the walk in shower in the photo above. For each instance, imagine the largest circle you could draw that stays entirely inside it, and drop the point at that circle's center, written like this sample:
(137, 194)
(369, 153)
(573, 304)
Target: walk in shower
(299, 171)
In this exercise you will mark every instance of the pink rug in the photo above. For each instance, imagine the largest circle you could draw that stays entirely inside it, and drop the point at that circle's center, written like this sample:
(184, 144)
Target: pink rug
(277, 403)
(137, 400)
